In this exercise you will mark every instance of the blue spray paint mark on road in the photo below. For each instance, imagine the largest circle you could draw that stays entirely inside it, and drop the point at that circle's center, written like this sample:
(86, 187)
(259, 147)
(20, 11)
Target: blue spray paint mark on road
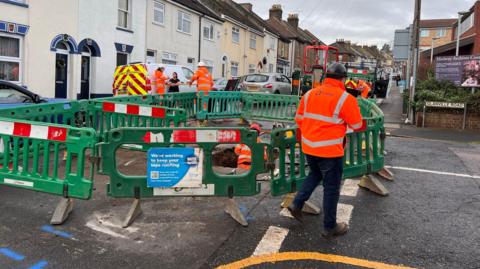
(244, 211)
(11, 254)
(50, 229)
(39, 265)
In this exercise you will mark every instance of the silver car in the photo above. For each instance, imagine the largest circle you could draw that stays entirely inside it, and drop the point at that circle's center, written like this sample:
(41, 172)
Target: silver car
(266, 83)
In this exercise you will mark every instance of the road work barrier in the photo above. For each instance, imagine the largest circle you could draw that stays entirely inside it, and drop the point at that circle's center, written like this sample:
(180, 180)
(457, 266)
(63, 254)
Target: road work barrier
(87, 133)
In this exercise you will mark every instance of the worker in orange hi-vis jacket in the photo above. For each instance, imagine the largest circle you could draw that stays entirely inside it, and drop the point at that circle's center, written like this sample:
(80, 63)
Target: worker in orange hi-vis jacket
(323, 116)
(204, 84)
(161, 80)
(244, 153)
(362, 87)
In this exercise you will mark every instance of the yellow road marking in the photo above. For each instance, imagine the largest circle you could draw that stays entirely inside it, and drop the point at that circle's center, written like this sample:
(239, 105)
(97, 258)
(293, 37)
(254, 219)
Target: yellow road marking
(296, 256)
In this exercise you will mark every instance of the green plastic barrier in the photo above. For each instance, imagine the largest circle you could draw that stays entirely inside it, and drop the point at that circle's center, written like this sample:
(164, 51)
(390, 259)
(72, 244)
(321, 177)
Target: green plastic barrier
(124, 186)
(364, 152)
(182, 100)
(219, 105)
(31, 152)
(269, 107)
(106, 115)
(67, 113)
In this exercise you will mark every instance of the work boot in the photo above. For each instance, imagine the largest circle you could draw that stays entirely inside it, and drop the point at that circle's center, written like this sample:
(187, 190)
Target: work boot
(296, 213)
(340, 229)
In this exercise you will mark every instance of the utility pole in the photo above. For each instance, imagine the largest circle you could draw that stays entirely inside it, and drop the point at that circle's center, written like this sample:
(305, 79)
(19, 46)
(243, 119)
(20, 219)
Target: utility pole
(416, 31)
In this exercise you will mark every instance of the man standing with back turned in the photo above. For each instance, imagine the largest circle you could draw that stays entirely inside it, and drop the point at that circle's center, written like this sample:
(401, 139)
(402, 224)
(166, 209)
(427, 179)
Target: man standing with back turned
(323, 116)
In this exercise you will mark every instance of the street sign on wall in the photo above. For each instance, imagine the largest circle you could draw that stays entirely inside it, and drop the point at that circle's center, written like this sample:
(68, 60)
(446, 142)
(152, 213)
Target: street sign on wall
(461, 70)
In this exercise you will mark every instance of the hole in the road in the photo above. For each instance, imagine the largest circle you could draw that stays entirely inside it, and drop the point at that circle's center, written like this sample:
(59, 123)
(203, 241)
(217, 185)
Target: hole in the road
(231, 159)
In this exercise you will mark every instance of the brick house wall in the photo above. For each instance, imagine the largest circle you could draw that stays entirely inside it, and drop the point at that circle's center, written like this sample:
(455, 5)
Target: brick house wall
(448, 120)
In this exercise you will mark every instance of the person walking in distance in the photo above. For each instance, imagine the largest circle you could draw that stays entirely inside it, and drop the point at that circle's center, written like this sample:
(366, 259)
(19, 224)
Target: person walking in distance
(322, 117)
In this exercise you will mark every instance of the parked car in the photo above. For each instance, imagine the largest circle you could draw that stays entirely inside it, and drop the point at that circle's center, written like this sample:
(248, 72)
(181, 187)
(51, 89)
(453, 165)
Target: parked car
(272, 83)
(122, 86)
(219, 84)
(12, 95)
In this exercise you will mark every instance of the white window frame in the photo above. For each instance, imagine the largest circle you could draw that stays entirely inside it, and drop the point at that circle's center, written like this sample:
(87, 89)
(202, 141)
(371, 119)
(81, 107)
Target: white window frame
(129, 15)
(424, 33)
(169, 58)
(182, 15)
(253, 41)
(154, 55)
(441, 32)
(156, 9)
(272, 43)
(252, 68)
(211, 31)
(120, 52)
(18, 60)
(235, 31)
(467, 23)
(234, 65)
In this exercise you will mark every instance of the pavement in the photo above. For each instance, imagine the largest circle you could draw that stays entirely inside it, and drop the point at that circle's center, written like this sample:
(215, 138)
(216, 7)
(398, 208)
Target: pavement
(430, 219)
(394, 124)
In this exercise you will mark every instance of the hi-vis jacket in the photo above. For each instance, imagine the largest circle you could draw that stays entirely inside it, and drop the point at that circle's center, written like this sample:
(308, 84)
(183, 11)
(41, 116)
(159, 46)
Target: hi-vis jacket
(323, 116)
(161, 81)
(363, 88)
(204, 80)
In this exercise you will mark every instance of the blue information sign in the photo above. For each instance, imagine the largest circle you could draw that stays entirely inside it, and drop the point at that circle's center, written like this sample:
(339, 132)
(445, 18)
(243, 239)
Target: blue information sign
(174, 168)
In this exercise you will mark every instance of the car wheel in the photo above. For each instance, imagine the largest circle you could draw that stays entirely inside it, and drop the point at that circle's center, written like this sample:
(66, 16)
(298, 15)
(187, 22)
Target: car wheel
(276, 92)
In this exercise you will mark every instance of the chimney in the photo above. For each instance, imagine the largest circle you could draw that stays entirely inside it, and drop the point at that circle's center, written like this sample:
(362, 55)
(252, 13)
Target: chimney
(276, 12)
(247, 6)
(293, 20)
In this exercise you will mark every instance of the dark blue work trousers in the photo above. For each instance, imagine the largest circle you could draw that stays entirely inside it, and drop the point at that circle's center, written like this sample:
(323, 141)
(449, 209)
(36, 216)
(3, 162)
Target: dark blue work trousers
(329, 172)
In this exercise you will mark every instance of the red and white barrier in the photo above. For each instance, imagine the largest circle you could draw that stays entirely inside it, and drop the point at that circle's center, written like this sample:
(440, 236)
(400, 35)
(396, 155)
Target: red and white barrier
(132, 109)
(197, 136)
(33, 131)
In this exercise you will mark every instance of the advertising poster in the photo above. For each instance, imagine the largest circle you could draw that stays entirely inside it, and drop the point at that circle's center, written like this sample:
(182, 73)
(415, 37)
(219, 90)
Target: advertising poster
(462, 70)
(174, 168)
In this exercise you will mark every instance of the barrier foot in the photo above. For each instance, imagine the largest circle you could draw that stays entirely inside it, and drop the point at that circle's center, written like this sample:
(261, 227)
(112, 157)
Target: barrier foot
(133, 213)
(386, 174)
(63, 210)
(234, 211)
(373, 184)
(308, 207)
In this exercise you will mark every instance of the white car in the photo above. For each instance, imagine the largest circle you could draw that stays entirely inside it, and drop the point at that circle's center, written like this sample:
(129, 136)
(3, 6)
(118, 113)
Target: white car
(272, 83)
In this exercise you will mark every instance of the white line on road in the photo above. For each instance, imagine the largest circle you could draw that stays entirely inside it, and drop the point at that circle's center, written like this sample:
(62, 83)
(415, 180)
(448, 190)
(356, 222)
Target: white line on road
(349, 188)
(344, 212)
(432, 172)
(271, 241)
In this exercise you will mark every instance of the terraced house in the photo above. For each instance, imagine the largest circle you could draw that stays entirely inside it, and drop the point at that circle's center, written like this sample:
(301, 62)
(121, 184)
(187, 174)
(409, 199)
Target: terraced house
(243, 39)
(73, 53)
(183, 32)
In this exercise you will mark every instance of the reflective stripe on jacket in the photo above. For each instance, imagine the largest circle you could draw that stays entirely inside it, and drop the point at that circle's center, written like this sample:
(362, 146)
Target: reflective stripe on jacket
(245, 155)
(323, 115)
(204, 80)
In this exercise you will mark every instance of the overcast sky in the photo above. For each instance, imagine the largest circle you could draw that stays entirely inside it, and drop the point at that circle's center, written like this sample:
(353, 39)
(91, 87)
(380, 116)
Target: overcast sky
(361, 21)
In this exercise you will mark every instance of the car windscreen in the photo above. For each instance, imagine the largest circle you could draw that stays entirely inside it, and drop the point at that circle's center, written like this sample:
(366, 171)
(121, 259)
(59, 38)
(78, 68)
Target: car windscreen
(256, 78)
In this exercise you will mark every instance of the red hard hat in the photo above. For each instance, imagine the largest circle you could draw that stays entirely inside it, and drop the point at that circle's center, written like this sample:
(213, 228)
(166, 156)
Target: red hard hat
(256, 127)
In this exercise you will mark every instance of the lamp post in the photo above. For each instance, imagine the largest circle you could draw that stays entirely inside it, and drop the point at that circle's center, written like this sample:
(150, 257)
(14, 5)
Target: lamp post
(431, 49)
(460, 15)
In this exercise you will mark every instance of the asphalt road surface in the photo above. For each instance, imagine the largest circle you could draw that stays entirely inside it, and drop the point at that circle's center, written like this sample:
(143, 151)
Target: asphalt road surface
(431, 219)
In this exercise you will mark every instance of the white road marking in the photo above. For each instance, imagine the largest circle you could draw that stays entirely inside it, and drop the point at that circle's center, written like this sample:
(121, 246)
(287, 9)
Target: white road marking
(284, 212)
(344, 212)
(271, 241)
(97, 227)
(349, 188)
(432, 172)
